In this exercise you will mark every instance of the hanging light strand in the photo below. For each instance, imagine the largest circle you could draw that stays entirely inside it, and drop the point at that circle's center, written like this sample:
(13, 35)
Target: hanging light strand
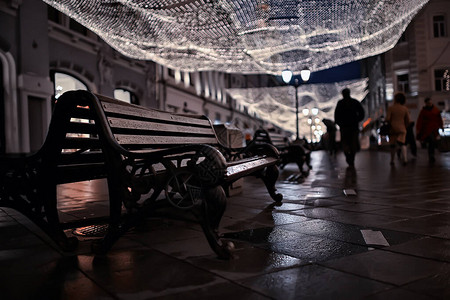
(245, 36)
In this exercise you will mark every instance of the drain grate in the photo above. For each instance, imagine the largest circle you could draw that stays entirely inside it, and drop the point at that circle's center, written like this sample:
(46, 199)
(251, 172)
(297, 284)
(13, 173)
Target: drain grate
(91, 231)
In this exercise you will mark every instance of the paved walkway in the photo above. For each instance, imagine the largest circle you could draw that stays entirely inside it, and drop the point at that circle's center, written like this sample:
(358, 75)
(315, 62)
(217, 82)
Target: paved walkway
(386, 237)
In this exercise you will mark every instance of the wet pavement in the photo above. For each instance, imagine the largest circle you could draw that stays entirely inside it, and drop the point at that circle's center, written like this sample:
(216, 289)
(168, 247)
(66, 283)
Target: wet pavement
(374, 232)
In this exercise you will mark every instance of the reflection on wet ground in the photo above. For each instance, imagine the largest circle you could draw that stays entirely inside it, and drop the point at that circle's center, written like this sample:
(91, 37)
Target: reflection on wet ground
(373, 232)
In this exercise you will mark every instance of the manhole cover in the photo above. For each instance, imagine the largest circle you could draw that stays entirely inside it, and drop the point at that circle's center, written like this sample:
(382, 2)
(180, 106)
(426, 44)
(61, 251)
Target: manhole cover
(92, 230)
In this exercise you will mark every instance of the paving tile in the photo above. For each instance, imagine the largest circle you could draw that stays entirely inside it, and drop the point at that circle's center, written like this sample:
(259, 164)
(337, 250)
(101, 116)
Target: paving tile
(437, 225)
(427, 247)
(360, 207)
(308, 248)
(53, 283)
(248, 261)
(348, 217)
(144, 273)
(313, 282)
(220, 291)
(347, 232)
(398, 293)
(402, 212)
(437, 286)
(392, 268)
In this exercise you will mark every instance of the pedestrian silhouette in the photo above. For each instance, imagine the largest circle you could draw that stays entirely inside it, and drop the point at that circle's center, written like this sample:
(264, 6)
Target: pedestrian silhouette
(347, 115)
(427, 127)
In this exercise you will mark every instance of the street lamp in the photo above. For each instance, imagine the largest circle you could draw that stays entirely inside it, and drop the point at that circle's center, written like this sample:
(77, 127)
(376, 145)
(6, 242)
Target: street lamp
(287, 76)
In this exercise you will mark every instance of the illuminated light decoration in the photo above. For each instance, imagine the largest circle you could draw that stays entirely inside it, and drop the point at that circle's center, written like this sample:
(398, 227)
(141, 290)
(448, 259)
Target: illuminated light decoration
(277, 103)
(245, 36)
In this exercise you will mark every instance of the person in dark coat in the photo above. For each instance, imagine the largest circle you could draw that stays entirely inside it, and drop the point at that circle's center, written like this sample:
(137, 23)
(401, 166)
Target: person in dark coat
(331, 136)
(410, 139)
(427, 126)
(348, 113)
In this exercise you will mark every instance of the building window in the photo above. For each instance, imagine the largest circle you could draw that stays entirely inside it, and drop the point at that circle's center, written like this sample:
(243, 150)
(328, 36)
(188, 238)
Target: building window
(54, 15)
(217, 118)
(64, 82)
(442, 79)
(59, 18)
(402, 38)
(77, 27)
(403, 83)
(439, 26)
(125, 96)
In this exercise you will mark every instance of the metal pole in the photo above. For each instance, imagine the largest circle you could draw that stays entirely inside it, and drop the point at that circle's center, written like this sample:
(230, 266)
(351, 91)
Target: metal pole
(296, 108)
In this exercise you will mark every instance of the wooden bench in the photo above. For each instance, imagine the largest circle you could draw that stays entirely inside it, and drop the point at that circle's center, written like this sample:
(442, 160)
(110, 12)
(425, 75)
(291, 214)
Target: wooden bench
(290, 152)
(146, 155)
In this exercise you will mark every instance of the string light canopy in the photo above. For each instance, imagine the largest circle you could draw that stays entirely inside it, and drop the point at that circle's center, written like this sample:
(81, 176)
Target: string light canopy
(277, 103)
(245, 36)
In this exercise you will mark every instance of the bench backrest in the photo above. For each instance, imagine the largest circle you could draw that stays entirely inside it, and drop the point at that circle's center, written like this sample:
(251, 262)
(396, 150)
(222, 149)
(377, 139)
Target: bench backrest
(73, 145)
(138, 128)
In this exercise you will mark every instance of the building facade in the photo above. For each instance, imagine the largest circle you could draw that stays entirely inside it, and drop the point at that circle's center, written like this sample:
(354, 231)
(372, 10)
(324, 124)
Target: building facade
(419, 64)
(44, 53)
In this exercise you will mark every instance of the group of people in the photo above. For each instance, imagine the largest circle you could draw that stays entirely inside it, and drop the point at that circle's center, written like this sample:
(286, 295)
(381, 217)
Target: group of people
(349, 113)
(428, 124)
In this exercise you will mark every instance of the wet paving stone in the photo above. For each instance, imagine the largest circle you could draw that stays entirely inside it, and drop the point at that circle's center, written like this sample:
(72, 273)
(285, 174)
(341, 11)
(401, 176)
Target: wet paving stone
(427, 247)
(220, 291)
(314, 282)
(437, 225)
(348, 233)
(437, 286)
(143, 273)
(398, 293)
(388, 267)
(308, 248)
(402, 212)
(248, 261)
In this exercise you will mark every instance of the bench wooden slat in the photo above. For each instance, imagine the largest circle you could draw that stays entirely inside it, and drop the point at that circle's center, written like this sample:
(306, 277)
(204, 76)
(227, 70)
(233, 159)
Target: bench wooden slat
(248, 167)
(154, 126)
(124, 139)
(152, 114)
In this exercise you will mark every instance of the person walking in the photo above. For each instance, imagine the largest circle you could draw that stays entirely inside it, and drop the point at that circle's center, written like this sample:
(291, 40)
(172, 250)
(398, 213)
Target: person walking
(398, 118)
(347, 115)
(331, 136)
(411, 139)
(427, 127)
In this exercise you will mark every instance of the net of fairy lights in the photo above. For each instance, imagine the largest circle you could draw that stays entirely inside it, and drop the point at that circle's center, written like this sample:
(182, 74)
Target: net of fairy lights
(245, 36)
(316, 102)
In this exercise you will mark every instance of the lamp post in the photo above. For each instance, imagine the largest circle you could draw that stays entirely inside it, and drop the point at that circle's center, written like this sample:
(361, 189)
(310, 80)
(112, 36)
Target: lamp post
(287, 76)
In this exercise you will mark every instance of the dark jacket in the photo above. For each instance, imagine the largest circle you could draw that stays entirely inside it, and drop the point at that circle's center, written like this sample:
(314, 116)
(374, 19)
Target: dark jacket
(349, 112)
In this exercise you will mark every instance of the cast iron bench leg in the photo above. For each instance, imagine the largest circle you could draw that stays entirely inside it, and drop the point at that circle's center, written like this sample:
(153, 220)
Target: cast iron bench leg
(270, 178)
(209, 213)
